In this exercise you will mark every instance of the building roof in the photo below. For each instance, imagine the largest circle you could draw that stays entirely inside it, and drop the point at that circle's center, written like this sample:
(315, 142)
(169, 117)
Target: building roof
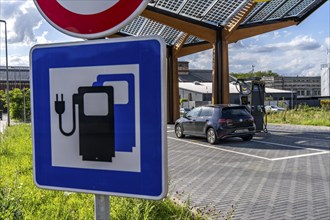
(198, 87)
(15, 73)
(197, 75)
(215, 14)
(206, 88)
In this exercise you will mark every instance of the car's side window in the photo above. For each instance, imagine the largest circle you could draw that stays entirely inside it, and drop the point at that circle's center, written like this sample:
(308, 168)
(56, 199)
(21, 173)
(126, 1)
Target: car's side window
(194, 112)
(206, 112)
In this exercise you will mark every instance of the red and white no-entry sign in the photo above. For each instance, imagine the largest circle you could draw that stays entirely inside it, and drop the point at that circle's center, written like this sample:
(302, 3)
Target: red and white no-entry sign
(90, 18)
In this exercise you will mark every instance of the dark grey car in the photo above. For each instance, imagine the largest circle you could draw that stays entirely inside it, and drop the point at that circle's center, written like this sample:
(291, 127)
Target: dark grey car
(217, 122)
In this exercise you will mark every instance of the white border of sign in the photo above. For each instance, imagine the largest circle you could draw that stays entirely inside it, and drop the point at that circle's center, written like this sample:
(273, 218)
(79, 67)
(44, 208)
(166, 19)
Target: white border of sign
(163, 116)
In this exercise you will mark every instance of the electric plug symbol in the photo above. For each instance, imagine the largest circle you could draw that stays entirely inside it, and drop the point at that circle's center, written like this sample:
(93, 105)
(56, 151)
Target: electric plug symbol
(59, 105)
(60, 109)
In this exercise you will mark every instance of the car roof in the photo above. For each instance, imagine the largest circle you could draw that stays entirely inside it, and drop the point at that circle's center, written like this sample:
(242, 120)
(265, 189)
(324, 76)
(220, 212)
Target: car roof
(222, 105)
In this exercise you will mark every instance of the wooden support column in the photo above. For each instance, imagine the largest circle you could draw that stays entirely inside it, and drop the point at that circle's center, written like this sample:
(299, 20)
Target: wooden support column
(175, 81)
(173, 111)
(216, 73)
(225, 72)
(169, 79)
(220, 93)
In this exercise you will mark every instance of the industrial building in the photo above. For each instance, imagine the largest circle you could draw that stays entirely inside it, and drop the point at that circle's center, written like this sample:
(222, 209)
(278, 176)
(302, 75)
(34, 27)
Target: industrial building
(18, 77)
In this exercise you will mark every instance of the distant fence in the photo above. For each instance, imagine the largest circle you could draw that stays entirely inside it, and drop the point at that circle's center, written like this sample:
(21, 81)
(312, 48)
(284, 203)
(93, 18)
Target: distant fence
(311, 103)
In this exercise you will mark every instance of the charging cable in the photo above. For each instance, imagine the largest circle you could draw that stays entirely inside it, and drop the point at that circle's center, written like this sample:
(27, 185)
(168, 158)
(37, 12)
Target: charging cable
(60, 109)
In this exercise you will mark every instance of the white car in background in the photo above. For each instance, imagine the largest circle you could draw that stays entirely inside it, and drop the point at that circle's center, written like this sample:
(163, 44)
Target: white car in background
(273, 108)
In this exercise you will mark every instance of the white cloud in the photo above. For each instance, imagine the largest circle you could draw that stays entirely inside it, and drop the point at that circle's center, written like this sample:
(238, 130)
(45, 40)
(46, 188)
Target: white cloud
(42, 38)
(276, 34)
(202, 60)
(18, 60)
(301, 55)
(327, 42)
(299, 43)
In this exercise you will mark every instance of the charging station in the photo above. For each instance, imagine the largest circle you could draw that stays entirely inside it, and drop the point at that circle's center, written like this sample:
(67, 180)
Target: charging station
(252, 95)
(93, 128)
(96, 132)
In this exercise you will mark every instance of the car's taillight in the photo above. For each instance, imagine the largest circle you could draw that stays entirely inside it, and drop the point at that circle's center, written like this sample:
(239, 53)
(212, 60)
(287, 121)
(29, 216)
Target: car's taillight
(225, 121)
(222, 121)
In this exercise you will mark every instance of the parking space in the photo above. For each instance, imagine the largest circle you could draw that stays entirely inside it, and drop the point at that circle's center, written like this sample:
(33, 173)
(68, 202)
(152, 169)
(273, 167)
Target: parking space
(283, 174)
(274, 145)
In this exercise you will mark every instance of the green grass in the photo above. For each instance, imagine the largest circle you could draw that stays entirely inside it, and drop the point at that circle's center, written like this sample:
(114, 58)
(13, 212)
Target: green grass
(21, 199)
(303, 115)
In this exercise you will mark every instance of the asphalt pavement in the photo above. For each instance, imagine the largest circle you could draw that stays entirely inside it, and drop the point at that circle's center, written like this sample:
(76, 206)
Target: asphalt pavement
(283, 174)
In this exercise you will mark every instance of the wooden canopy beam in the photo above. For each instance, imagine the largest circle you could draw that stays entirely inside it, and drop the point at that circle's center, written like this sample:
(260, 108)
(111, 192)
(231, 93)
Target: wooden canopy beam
(243, 33)
(234, 23)
(200, 31)
(191, 49)
(179, 44)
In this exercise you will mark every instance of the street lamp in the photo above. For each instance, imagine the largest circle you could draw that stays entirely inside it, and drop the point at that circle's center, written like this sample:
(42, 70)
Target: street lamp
(7, 82)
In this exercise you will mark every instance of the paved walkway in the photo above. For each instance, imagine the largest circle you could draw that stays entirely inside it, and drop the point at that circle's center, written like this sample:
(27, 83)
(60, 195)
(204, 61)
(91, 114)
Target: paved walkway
(280, 175)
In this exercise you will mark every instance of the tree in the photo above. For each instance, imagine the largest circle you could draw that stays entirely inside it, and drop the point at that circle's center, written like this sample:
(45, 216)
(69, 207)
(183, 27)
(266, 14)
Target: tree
(254, 74)
(20, 104)
(2, 100)
(182, 101)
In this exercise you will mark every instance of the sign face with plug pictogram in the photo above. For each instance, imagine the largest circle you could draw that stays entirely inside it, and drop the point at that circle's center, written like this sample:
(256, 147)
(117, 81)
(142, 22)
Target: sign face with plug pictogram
(94, 130)
(89, 18)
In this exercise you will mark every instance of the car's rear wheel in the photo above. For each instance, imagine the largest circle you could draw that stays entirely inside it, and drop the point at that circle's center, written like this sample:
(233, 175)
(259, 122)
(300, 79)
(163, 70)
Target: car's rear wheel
(179, 131)
(247, 138)
(211, 136)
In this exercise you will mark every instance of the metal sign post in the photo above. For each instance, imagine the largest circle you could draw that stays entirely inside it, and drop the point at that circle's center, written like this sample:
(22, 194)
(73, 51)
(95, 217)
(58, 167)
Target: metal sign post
(101, 207)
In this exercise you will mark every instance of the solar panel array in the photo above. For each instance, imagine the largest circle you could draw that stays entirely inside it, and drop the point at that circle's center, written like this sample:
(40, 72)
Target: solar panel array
(217, 13)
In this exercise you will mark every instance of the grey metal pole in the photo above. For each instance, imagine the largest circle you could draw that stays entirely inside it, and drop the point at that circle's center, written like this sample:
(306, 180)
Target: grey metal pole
(7, 81)
(291, 98)
(24, 113)
(101, 207)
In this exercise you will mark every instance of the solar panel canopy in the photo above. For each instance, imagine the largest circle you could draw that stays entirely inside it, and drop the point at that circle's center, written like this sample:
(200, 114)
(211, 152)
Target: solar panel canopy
(216, 15)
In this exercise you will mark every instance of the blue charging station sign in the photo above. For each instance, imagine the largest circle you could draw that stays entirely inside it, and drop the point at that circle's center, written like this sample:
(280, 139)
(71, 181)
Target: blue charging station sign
(99, 117)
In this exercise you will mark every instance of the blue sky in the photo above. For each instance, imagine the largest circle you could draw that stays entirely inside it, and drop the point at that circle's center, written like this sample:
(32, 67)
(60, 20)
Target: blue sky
(296, 50)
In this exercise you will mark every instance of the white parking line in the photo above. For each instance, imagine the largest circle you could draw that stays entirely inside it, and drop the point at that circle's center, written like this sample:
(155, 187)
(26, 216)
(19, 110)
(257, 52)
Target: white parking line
(301, 155)
(320, 152)
(221, 149)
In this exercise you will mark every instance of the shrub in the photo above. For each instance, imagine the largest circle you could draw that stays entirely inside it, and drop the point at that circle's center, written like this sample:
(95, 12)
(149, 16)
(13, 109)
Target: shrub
(19, 104)
(325, 104)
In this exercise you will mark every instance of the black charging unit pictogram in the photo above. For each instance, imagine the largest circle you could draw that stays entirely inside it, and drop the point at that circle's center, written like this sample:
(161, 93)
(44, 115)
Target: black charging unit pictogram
(96, 132)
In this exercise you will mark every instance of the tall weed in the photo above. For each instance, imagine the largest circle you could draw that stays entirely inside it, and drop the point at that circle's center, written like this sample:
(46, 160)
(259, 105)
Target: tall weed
(302, 115)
